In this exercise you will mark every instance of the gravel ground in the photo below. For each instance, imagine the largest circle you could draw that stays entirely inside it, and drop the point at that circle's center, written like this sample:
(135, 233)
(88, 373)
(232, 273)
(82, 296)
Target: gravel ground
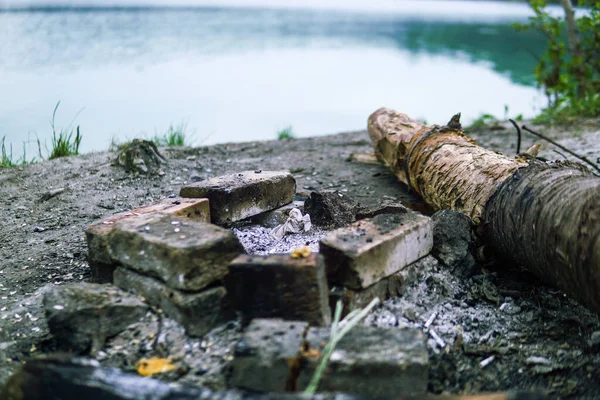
(501, 329)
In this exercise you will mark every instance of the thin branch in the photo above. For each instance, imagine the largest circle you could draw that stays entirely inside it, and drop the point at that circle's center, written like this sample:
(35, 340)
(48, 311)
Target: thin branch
(561, 154)
(512, 121)
(584, 159)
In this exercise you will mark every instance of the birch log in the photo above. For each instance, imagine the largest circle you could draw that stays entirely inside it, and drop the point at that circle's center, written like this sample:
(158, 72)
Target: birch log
(545, 217)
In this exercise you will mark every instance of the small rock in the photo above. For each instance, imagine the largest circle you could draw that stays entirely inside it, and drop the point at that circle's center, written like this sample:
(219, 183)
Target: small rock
(188, 256)
(39, 229)
(594, 339)
(452, 241)
(194, 177)
(52, 193)
(239, 196)
(87, 314)
(331, 209)
(369, 250)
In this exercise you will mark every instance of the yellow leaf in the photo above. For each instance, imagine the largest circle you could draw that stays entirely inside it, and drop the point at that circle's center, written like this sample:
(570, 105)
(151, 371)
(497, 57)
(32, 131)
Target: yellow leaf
(301, 252)
(153, 366)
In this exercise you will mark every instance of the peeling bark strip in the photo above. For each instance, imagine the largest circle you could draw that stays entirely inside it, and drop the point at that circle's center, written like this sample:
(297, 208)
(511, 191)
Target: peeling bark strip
(547, 217)
(442, 164)
(544, 217)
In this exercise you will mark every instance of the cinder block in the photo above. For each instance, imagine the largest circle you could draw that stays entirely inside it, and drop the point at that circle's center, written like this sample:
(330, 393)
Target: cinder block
(361, 254)
(100, 261)
(264, 356)
(239, 196)
(276, 355)
(185, 254)
(84, 314)
(374, 362)
(197, 312)
(355, 299)
(279, 286)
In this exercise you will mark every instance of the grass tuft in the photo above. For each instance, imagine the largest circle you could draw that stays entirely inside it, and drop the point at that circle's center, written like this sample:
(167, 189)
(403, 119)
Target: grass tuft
(6, 157)
(338, 330)
(286, 134)
(63, 143)
(484, 120)
(175, 136)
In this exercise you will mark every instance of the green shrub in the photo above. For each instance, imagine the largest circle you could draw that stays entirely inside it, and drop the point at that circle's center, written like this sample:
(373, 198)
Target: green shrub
(569, 70)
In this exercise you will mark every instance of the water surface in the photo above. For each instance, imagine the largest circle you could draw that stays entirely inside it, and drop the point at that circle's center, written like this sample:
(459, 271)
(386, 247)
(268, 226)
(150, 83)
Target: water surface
(236, 73)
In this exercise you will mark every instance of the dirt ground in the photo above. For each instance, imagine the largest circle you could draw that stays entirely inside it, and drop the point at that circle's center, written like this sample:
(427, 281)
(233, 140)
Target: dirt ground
(538, 338)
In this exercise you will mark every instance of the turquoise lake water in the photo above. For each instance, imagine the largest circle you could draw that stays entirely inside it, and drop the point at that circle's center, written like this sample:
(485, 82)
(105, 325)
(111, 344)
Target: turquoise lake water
(237, 71)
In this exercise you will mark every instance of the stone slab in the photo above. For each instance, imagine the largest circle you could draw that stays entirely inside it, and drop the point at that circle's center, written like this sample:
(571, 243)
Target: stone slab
(279, 286)
(359, 255)
(100, 261)
(242, 195)
(197, 312)
(271, 219)
(185, 254)
(277, 355)
(84, 314)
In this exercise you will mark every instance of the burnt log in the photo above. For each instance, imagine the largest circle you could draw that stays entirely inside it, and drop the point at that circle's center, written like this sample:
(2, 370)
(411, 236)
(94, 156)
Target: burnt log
(65, 378)
(59, 377)
(544, 216)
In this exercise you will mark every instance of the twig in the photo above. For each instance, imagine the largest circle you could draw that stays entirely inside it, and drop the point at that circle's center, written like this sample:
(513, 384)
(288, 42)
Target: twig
(584, 159)
(430, 320)
(437, 338)
(559, 153)
(512, 121)
(487, 361)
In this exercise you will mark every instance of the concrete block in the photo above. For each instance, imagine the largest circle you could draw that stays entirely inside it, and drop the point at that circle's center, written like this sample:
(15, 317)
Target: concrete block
(374, 362)
(197, 312)
(392, 286)
(239, 196)
(279, 286)
(276, 355)
(183, 253)
(359, 255)
(265, 354)
(355, 299)
(101, 263)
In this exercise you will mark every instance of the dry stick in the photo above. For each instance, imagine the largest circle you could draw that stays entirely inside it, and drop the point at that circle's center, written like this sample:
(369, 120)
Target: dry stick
(584, 159)
(512, 121)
